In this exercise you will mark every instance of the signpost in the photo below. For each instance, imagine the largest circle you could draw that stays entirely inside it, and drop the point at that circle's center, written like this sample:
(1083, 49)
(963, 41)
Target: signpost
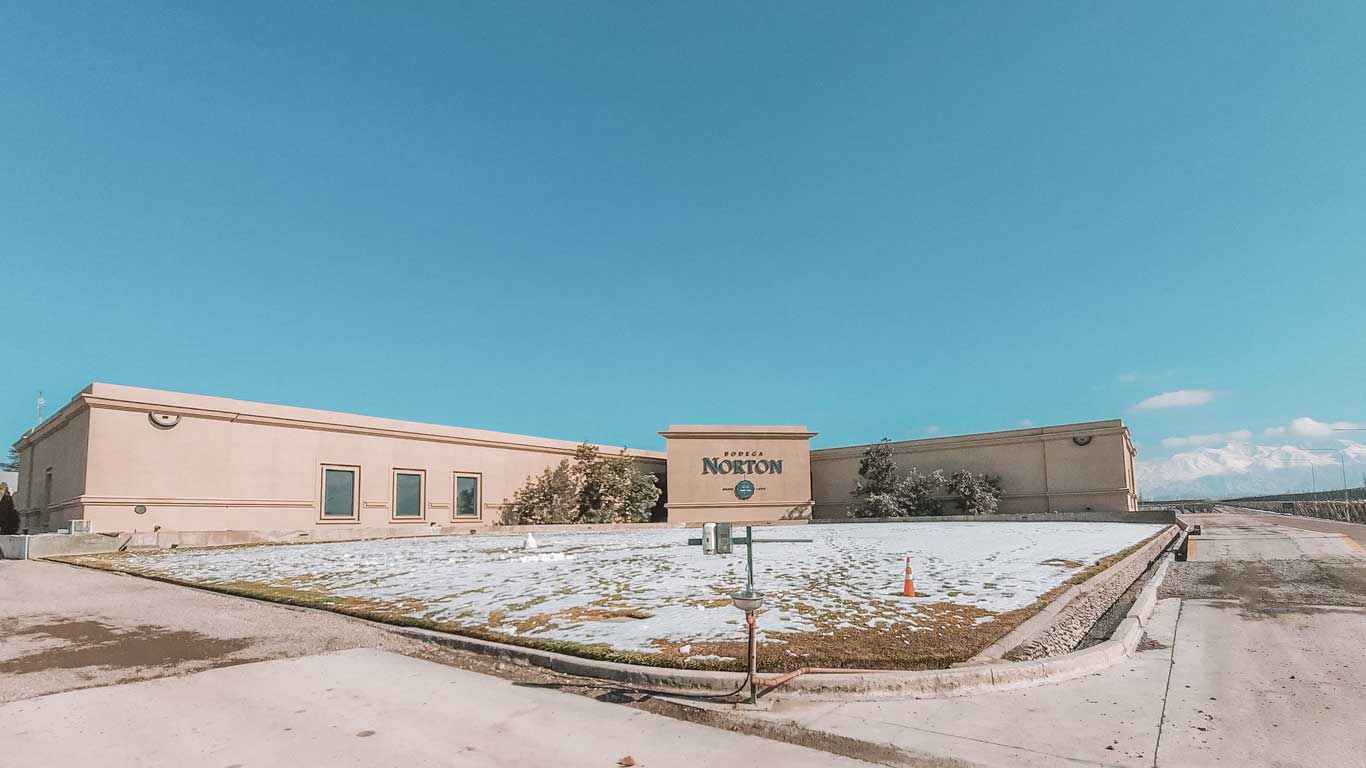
(717, 539)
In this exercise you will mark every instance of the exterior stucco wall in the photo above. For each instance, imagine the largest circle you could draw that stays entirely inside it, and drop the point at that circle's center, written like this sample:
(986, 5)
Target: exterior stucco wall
(230, 465)
(63, 452)
(1041, 469)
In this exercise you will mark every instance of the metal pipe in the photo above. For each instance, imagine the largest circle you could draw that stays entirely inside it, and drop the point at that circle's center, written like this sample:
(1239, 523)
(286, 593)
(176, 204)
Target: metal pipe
(749, 558)
(770, 683)
(753, 658)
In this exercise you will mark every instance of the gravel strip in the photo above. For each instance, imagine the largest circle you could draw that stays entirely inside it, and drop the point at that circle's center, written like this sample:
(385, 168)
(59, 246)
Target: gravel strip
(1259, 583)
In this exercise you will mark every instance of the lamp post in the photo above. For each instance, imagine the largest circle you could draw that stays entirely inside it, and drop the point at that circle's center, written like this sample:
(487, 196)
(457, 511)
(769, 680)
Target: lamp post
(716, 539)
(1342, 457)
(750, 601)
(1344, 453)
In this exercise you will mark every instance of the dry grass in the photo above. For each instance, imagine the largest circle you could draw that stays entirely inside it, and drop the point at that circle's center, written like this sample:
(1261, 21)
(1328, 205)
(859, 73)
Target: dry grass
(950, 633)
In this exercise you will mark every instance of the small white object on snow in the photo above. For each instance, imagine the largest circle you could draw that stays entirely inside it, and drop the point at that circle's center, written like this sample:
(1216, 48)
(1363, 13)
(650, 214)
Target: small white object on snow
(529, 542)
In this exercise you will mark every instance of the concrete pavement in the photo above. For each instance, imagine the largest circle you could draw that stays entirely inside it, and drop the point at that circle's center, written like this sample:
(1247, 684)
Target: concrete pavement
(63, 627)
(1249, 659)
(104, 669)
(1240, 534)
(363, 708)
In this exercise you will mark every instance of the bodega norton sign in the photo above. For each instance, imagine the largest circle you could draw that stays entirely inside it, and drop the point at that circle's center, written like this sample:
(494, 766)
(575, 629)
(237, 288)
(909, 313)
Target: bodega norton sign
(737, 473)
(724, 465)
(742, 463)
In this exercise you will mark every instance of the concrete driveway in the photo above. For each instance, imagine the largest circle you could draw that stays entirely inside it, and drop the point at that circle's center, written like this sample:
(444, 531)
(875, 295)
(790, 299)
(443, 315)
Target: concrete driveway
(104, 669)
(63, 627)
(363, 708)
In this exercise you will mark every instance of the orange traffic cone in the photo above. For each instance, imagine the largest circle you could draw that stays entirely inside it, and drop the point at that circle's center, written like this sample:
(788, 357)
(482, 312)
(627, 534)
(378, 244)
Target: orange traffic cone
(908, 589)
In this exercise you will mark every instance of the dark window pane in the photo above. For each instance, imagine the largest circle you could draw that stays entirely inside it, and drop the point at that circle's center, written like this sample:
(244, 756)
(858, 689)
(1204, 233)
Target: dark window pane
(339, 493)
(467, 497)
(408, 495)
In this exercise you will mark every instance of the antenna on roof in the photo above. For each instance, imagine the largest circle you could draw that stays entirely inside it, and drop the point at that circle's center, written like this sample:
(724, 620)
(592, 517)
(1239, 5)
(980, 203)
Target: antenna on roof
(41, 403)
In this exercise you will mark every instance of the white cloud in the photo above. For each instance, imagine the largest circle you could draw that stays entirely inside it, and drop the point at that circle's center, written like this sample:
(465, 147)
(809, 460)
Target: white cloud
(932, 430)
(1307, 427)
(1210, 439)
(1181, 398)
(1128, 377)
(1242, 469)
(1026, 422)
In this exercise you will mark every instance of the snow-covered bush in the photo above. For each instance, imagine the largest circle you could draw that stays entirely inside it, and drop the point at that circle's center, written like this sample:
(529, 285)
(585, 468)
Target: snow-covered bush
(592, 488)
(977, 494)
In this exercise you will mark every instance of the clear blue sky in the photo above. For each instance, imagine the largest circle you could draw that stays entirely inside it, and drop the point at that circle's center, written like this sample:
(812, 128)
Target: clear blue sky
(590, 220)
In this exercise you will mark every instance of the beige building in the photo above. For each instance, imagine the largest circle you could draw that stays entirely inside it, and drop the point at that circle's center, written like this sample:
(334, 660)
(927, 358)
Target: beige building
(131, 459)
(1068, 468)
(128, 459)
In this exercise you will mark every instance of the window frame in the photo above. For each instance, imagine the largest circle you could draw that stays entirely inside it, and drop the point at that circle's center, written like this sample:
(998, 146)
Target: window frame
(394, 516)
(323, 517)
(478, 478)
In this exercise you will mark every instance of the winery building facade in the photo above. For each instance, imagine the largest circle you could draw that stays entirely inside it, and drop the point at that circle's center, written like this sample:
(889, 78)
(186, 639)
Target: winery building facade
(120, 458)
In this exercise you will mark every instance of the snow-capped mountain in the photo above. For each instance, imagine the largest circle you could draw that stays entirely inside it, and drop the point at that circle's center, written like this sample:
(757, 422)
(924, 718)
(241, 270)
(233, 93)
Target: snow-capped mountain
(1244, 469)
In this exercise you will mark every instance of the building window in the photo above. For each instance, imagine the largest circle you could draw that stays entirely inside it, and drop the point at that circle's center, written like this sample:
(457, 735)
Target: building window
(408, 494)
(467, 500)
(340, 485)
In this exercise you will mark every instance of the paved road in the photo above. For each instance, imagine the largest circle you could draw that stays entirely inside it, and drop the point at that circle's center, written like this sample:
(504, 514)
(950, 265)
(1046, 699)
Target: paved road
(1250, 660)
(111, 670)
(1354, 531)
(1243, 534)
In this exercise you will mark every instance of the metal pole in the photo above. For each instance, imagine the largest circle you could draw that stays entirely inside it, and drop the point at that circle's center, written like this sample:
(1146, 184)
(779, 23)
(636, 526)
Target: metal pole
(1342, 457)
(749, 558)
(749, 616)
(753, 658)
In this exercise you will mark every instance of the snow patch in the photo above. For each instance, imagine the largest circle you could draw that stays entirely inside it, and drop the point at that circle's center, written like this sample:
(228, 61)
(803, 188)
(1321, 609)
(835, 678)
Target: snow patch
(644, 590)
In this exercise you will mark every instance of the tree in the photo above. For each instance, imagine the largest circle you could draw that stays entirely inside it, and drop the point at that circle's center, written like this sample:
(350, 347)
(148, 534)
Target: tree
(590, 488)
(977, 494)
(9, 516)
(918, 493)
(876, 493)
(11, 464)
(545, 500)
(880, 492)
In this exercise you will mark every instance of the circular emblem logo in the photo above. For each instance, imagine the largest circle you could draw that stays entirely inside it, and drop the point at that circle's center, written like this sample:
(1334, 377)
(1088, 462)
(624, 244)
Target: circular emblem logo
(744, 489)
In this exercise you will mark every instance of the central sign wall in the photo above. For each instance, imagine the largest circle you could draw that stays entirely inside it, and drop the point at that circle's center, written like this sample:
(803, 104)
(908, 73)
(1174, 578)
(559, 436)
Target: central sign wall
(738, 474)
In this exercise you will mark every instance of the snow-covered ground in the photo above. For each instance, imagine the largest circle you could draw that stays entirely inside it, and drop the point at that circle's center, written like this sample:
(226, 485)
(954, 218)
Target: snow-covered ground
(641, 590)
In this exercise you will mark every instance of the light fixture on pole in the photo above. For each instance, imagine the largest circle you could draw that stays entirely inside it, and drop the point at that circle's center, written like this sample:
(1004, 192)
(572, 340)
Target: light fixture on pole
(716, 539)
(749, 601)
(1344, 453)
(1342, 457)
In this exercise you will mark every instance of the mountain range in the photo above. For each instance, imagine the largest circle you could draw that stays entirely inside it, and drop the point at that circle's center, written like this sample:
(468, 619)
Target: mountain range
(1246, 469)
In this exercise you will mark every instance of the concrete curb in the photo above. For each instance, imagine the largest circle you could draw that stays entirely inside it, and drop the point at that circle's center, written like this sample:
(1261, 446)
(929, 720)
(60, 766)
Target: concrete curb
(1046, 621)
(687, 681)
(1000, 676)
(932, 683)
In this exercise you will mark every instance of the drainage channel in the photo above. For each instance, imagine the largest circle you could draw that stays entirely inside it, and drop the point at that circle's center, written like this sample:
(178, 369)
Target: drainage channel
(1109, 621)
